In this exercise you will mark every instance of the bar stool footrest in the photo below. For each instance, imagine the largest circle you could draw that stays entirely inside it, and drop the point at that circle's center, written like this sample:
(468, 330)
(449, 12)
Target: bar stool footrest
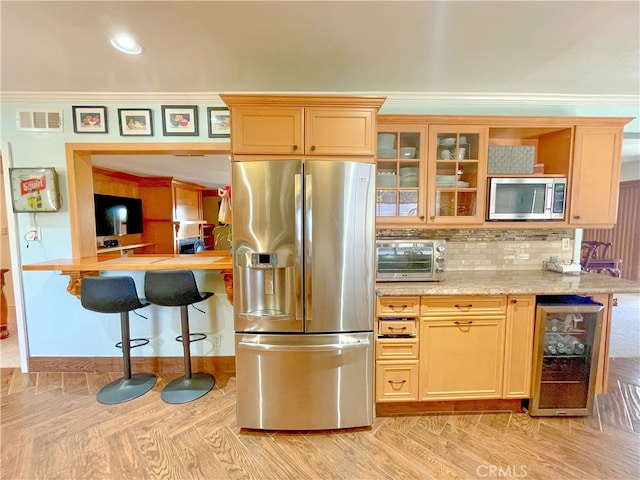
(135, 343)
(193, 337)
(183, 390)
(123, 389)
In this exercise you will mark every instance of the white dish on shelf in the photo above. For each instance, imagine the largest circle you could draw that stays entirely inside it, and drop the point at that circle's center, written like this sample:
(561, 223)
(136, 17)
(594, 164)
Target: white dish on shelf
(386, 139)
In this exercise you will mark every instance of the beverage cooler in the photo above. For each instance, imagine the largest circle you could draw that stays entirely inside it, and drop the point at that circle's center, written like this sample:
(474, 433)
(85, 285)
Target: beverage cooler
(568, 329)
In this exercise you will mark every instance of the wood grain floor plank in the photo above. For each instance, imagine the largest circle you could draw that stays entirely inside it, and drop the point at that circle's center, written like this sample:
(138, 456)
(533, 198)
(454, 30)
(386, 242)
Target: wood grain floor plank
(48, 381)
(15, 456)
(161, 458)
(466, 422)
(451, 452)
(432, 465)
(22, 381)
(353, 462)
(235, 459)
(497, 421)
(126, 461)
(197, 456)
(88, 454)
(75, 382)
(316, 463)
(49, 458)
(612, 410)
(433, 423)
(276, 462)
(631, 397)
(522, 421)
(6, 376)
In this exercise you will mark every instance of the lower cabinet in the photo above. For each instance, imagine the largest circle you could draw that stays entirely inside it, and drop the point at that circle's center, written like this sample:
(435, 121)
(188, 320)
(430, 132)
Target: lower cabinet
(461, 358)
(466, 347)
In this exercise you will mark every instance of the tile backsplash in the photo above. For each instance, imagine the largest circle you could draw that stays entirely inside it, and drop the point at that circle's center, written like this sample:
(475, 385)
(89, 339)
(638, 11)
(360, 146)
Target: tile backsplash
(496, 249)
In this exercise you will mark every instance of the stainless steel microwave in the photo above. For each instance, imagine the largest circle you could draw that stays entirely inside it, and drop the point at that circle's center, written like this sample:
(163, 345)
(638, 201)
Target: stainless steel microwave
(410, 260)
(526, 198)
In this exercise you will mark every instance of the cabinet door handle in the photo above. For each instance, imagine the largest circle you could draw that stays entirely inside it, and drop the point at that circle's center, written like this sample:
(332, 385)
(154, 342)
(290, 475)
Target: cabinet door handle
(397, 383)
(398, 308)
(295, 147)
(513, 300)
(393, 329)
(313, 147)
(463, 323)
(576, 217)
(432, 217)
(463, 306)
(421, 217)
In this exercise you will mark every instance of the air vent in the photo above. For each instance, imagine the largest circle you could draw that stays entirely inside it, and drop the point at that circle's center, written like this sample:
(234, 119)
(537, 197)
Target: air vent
(43, 121)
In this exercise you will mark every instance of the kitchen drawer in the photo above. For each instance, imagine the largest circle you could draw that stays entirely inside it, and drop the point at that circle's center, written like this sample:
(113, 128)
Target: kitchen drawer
(397, 381)
(398, 306)
(396, 327)
(465, 305)
(397, 348)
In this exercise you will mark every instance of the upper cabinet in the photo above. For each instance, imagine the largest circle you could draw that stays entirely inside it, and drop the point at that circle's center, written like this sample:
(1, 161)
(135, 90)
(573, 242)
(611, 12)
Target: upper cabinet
(446, 183)
(457, 174)
(596, 176)
(303, 125)
(401, 175)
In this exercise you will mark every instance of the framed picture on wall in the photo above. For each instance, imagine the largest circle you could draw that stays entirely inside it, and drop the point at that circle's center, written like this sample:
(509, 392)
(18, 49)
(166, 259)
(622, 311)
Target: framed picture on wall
(219, 122)
(135, 122)
(179, 120)
(89, 119)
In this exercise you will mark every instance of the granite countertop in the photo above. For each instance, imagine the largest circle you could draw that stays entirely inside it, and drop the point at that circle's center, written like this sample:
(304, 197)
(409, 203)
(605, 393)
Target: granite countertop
(489, 282)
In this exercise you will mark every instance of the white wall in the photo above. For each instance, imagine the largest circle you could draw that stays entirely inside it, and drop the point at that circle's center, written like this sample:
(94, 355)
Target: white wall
(56, 322)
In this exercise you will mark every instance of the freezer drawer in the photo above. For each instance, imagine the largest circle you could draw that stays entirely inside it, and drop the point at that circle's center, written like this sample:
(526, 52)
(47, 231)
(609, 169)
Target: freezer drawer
(304, 382)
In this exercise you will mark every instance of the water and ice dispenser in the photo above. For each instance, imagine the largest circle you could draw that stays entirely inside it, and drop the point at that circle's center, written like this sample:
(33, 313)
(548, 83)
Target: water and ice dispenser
(266, 283)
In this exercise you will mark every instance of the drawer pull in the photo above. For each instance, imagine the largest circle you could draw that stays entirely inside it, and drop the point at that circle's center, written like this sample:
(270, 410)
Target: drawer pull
(464, 323)
(466, 307)
(397, 383)
(401, 329)
(398, 308)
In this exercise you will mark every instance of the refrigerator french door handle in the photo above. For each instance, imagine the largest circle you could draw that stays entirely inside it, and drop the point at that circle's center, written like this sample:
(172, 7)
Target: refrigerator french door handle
(299, 260)
(303, 348)
(308, 257)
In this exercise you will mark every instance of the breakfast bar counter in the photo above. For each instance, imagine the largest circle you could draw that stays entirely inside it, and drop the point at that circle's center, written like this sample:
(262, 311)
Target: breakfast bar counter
(77, 268)
(216, 260)
(511, 282)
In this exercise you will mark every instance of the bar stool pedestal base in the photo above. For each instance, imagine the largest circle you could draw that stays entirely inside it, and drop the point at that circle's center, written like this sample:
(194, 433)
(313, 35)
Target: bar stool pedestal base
(183, 390)
(123, 390)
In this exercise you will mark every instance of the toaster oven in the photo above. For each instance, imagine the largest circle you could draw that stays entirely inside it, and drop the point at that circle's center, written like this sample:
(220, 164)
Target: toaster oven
(410, 260)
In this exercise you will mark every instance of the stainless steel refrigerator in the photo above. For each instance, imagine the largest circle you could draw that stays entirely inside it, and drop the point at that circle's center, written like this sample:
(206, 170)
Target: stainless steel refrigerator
(304, 253)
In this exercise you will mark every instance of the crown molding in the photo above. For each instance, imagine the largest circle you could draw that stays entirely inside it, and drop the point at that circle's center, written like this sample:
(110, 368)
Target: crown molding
(440, 98)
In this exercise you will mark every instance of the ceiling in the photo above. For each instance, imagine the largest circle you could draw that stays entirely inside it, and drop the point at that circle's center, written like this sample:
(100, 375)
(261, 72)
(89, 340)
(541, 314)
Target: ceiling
(579, 50)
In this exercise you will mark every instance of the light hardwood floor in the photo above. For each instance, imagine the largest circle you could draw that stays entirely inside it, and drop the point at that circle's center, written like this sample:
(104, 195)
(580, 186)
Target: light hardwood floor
(53, 428)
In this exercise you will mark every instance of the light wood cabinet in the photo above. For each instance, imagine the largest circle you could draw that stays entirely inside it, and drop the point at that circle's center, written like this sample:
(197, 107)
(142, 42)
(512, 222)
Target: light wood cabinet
(602, 372)
(398, 306)
(461, 157)
(401, 175)
(171, 209)
(397, 381)
(595, 177)
(518, 355)
(461, 357)
(457, 174)
(303, 125)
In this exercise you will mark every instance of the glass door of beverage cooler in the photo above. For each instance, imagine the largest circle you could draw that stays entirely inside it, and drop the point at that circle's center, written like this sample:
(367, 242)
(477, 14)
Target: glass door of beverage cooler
(567, 344)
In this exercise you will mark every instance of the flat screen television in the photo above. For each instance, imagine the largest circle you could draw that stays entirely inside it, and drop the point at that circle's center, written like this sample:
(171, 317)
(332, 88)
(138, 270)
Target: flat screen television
(117, 215)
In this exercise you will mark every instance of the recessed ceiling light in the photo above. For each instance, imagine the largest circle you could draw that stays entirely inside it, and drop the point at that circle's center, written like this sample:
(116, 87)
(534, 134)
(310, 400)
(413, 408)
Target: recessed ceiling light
(126, 44)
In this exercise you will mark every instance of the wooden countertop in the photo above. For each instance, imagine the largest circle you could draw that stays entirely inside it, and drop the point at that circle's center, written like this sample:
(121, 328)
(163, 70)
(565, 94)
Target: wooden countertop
(212, 260)
(505, 282)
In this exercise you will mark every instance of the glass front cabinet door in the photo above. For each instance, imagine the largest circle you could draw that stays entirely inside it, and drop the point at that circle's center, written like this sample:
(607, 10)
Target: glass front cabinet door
(456, 174)
(401, 175)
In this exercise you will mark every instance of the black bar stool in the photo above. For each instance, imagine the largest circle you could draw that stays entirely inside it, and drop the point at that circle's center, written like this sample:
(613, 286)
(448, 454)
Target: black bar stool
(178, 288)
(118, 295)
